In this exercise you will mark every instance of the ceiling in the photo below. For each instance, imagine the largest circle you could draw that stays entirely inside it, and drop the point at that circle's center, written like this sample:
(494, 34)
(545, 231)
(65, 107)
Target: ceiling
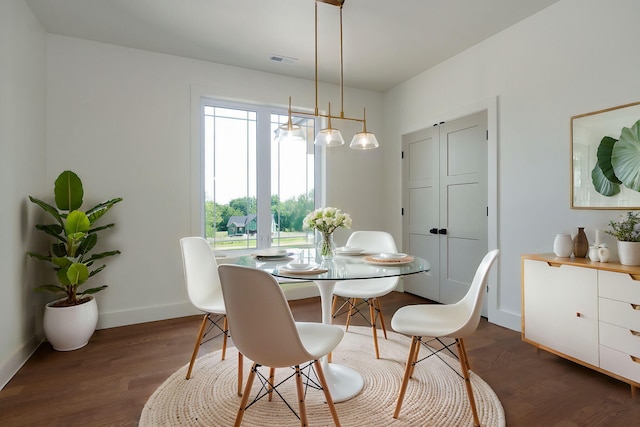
(385, 42)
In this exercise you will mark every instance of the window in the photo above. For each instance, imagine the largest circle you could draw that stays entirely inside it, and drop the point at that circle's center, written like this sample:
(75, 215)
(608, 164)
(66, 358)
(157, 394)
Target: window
(257, 188)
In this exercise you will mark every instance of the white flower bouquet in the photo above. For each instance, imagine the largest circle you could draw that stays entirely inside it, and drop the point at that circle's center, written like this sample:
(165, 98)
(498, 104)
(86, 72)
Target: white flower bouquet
(326, 221)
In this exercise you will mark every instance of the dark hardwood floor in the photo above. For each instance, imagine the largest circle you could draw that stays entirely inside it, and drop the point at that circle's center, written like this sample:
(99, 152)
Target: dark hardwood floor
(107, 382)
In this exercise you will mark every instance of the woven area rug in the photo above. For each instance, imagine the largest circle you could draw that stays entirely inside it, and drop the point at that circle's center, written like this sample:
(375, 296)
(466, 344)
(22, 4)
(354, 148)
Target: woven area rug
(435, 396)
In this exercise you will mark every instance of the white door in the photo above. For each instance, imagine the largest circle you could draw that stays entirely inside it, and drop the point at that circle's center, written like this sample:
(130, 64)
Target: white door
(420, 177)
(445, 201)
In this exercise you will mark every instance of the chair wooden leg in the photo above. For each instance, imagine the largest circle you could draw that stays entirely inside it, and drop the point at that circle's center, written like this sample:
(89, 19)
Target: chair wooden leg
(464, 365)
(464, 350)
(408, 370)
(197, 346)
(327, 393)
(352, 303)
(384, 328)
(301, 405)
(240, 372)
(414, 360)
(372, 315)
(245, 397)
(225, 328)
(272, 374)
(334, 305)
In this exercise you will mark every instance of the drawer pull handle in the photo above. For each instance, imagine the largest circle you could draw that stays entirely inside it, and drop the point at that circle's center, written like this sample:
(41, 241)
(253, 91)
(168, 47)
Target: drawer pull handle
(635, 306)
(635, 359)
(578, 314)
(554, 264)
(635, 277)
(635, 333)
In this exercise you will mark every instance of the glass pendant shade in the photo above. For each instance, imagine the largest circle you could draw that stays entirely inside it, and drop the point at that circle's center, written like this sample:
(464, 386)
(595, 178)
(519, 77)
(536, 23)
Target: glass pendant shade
(364, 141)
(329, 138)
(290, 132)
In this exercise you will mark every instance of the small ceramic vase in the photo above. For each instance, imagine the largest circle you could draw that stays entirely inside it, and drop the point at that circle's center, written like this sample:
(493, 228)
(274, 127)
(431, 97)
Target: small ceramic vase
(593, 253)
(563, 245)
(603, 253)
(580, 244)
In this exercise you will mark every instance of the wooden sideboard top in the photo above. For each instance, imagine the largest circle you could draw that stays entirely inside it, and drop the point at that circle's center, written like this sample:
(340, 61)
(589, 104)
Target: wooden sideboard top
(552, 259)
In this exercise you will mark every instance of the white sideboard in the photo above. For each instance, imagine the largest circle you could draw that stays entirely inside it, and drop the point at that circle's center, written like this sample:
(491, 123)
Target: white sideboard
(584, 311)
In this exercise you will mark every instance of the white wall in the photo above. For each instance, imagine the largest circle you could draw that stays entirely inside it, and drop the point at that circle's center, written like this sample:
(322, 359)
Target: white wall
(574, 57)
(121, 119)
(22, 172)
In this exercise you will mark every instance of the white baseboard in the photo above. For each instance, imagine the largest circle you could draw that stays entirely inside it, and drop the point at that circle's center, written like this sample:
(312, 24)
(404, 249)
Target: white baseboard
(11, 366)
(507, 319)
(293, 291)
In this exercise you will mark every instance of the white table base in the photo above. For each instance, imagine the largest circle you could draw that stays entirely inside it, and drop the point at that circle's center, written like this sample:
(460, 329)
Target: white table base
(344, 382)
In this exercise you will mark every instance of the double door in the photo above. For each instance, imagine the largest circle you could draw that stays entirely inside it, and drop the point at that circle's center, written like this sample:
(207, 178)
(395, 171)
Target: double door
(445, 205)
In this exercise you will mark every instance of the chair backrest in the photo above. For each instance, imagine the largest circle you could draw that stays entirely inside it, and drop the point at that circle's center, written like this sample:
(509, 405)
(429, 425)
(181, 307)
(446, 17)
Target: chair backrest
(373, 241)
(260, 320)
(471, 303)
(200, 272)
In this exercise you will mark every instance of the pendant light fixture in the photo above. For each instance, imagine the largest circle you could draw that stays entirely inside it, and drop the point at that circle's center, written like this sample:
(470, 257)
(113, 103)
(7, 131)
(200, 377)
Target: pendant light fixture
(289, 131)
(329, 136)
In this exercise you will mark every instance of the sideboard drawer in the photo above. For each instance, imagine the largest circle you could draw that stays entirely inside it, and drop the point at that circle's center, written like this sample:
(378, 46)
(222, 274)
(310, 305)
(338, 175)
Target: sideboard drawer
(619, 286)
(620, 313)
(620, 363)
(619, 338)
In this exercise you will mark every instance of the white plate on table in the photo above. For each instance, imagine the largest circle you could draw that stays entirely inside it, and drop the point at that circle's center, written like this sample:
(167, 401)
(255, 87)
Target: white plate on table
(299, 266)
(387, 256)
(349, 250)
(271, 254)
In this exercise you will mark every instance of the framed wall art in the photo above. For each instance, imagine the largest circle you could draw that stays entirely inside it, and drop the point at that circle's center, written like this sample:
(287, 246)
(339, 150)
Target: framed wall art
(605, 159)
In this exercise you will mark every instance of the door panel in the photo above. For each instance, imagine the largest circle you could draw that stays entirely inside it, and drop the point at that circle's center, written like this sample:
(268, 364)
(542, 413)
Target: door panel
(420, 193)
(445, 188)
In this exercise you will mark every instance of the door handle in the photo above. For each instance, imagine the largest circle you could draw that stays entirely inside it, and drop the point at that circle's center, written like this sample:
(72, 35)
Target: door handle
(433, 231)
(442, 231)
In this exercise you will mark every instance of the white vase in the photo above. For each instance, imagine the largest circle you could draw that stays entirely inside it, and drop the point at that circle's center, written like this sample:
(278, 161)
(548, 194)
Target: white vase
(69, 328)
(629, 253)
(563, 245)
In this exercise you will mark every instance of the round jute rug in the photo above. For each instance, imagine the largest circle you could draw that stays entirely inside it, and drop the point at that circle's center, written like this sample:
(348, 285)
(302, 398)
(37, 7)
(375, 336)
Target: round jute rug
(435, 396)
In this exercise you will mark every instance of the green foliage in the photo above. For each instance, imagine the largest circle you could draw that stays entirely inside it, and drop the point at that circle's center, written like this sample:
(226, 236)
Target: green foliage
(618, 162)
(69, 253)
(628, 229)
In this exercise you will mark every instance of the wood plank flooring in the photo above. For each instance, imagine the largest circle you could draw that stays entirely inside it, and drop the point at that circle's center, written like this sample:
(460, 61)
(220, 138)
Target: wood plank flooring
(107, 382)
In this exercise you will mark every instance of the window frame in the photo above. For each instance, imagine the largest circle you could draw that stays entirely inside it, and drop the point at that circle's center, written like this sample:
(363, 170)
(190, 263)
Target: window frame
(263, 166)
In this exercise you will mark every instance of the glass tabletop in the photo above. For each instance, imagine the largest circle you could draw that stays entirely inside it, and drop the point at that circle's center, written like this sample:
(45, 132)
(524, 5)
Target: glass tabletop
(341, 267)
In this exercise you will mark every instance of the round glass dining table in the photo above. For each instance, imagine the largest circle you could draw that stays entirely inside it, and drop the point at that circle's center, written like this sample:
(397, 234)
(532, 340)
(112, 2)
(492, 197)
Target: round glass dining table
(344, 382)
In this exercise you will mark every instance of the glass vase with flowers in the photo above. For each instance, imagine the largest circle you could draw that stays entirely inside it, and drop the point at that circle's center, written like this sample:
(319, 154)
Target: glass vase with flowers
(326, 221)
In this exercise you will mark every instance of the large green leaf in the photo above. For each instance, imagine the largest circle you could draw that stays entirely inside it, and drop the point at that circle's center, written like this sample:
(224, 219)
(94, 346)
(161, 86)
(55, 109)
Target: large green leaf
(68, 191)
(625, 157)
(604, 158)
(602, 184)
(47, 207)
(97, 211)
(77, 222)
(77, 273)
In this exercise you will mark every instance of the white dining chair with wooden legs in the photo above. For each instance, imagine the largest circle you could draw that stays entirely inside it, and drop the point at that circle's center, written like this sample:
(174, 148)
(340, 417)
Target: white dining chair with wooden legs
(263, 329)
(366, 291)
(427, 323)
(203, 286)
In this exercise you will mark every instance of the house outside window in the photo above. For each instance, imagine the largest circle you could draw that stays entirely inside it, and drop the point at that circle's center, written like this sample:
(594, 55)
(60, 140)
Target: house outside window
(257, 188)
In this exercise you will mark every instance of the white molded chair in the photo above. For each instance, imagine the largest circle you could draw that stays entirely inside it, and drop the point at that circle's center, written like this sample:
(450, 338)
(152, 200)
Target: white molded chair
(264, 330)
(367, 290)
(203, 286)
(456, 321)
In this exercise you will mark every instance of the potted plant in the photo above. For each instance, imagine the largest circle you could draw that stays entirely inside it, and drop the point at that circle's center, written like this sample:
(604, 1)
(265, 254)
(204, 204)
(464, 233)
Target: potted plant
(627, 231)
(70, 321)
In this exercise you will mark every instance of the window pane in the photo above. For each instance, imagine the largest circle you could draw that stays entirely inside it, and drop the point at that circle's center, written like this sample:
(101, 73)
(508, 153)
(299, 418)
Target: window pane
(230, 178)
(292, 183)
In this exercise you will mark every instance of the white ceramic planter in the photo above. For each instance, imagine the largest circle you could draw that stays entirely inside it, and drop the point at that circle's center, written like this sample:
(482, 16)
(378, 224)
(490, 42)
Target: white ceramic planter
(629, 253)
(69, 328)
